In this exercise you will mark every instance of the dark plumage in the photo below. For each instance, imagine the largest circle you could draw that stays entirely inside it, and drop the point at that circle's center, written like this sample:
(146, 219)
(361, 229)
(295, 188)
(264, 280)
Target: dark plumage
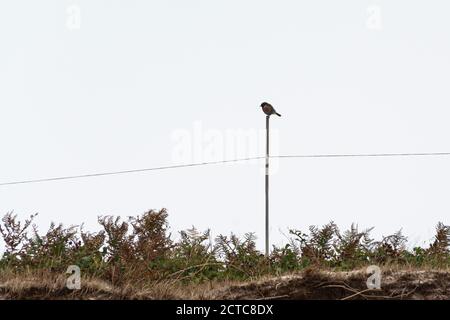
(269, 109)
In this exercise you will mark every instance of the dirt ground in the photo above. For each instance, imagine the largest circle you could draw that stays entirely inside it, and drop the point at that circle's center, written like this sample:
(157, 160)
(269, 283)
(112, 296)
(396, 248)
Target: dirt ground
(415, 285)
(309, 285)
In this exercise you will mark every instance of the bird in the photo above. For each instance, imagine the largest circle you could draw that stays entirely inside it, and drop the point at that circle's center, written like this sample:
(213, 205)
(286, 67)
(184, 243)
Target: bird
(269, 109)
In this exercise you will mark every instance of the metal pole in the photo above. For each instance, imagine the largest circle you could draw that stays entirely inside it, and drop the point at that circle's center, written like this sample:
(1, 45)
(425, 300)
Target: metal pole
(267, 186)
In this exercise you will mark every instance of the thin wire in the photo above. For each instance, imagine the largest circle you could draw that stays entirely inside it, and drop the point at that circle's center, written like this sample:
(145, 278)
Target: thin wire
(91, 175)
(223, 162)
(367, 155)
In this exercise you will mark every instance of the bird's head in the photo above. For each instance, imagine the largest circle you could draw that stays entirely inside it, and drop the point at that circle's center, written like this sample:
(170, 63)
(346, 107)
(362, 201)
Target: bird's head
(264, 104)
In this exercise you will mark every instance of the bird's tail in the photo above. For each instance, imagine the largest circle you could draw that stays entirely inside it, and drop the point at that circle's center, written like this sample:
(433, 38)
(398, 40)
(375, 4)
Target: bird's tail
(278, 114)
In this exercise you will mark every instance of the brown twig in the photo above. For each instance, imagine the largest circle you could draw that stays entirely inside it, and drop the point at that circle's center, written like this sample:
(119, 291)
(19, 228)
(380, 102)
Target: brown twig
(273, 298)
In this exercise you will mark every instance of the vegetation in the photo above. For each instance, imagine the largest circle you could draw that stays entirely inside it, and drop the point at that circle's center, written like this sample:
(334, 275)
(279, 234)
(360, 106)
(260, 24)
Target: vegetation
(140, 250)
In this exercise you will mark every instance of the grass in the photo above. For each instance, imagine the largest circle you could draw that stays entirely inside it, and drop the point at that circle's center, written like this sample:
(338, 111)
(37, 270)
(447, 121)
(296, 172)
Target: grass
(138, 259)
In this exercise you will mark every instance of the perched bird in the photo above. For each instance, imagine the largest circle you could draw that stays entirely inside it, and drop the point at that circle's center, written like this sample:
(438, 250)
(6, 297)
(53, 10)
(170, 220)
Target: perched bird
(269, 109)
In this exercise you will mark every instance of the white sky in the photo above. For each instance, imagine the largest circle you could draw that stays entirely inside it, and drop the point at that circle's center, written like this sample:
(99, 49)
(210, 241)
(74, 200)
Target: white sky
(347, 76)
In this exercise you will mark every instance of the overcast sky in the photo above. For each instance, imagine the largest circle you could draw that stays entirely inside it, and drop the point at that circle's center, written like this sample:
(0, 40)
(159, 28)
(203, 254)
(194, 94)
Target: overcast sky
(93, 86)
